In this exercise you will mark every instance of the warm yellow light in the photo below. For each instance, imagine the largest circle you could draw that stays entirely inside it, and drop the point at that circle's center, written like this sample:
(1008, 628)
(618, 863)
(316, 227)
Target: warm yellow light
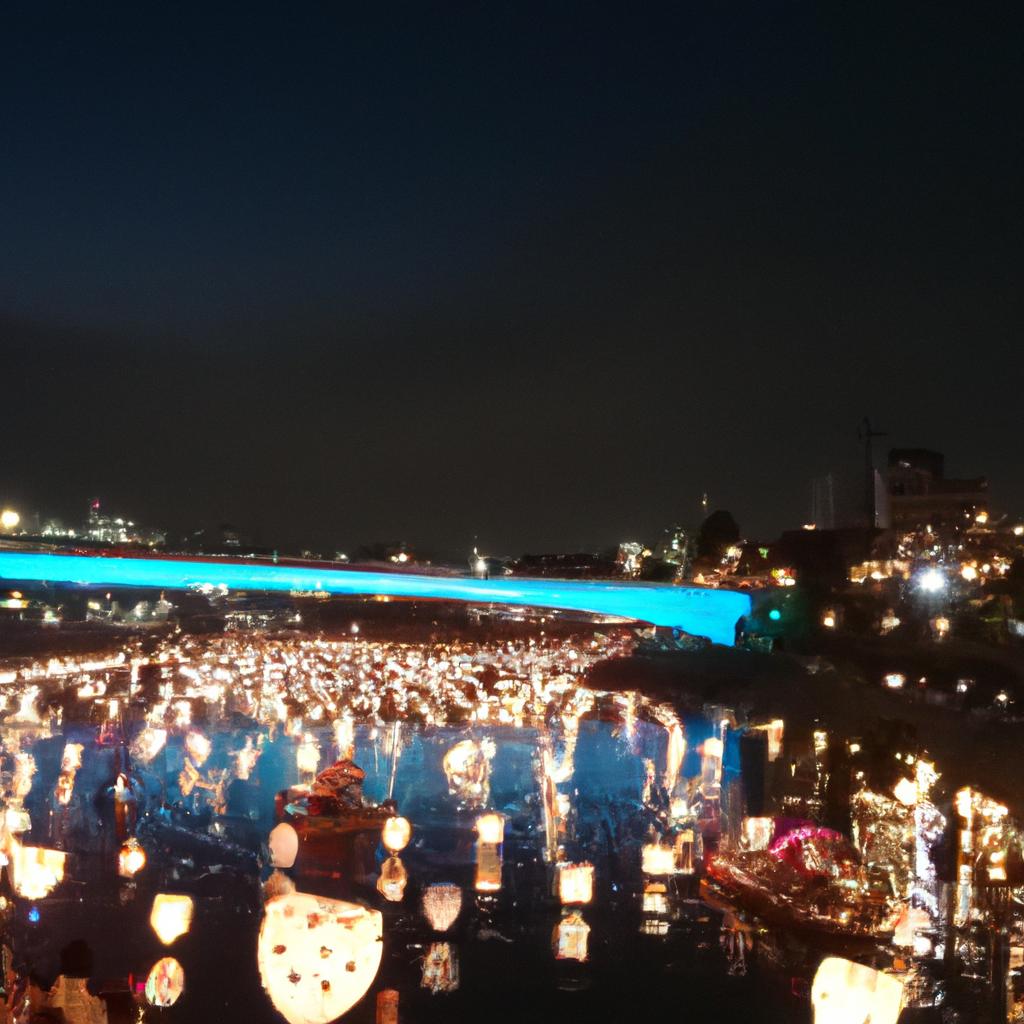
(165, 983)
(393, 879)
(844, 991)
(198, 747)
(284, 845)
(440, 968)
(906, 792)
(571, 937)
(658, 860)
(317, 957)
(757, 833)
(441, 905)
(35, 871)
(132, 859)
(575, 883)
(307, 755)
(491, 828)
(9, 519)
(969, 573)
(171, 916)
(828, 620)
(396, 834)
(981, 518)
(488, 867)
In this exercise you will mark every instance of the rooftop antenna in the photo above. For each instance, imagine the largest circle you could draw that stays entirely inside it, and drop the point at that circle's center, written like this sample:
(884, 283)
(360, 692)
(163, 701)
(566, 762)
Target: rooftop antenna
(866, 435)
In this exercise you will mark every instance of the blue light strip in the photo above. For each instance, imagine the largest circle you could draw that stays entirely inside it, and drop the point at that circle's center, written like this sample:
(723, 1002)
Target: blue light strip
(695, 610)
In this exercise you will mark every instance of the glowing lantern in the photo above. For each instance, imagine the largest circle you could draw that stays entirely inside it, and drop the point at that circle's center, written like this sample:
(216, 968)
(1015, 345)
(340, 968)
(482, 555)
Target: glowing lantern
(491, 828)
(35, 872)
(571, 936)
(165, 983)
(392, 881)
(488, 867)
(171, 916)
(396, 834)
(198, 747)
(317, 957)
(828, 620)
(658, 860)
(655, 899)
(148, 744)
(307, 755)
(845, 992)
(941, 626)
(132, 859)
(17, 820)
(757, 833)
(575, 883)
(441, 905)
(440, 968)
(906, 792)
(284, 845)
(910, 920)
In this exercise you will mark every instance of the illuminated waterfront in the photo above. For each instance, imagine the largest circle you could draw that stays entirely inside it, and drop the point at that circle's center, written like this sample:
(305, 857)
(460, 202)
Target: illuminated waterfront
(705, 863)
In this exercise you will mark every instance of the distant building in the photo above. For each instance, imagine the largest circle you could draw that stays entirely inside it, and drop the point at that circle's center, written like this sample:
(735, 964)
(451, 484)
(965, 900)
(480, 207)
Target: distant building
(107, 529)
(921, 495)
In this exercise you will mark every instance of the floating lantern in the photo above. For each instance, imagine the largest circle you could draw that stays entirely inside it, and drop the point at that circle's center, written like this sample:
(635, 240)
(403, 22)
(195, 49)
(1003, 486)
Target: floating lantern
(396, 834)
(658, 860)
(905, 791)
(491, 828)
(488, 867)
(284, 845)
(307, 755)
(132, 858)
(165, 983)
(845, 991)
(35, 872)
(440, 968)
(571, 937)
(17, 820)
(441, 905)
(198, 747)
(317, 957)
(148, 744)
(757, 833)
(171, 916)
(575, 883)
(392, 881)
(655, 898)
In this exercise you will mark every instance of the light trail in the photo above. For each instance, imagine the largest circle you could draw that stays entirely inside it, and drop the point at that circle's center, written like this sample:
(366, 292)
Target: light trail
(695, 610)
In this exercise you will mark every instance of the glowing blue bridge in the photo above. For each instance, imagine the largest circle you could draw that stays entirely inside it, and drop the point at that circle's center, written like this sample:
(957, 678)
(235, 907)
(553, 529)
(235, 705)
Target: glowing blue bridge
(694, 610)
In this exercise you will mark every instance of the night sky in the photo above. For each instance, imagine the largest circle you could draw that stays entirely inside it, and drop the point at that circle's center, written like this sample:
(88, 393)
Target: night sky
(538, 276)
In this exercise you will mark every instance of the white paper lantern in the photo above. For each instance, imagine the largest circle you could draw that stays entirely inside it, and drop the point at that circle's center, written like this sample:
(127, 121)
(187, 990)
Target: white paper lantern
(317, 957)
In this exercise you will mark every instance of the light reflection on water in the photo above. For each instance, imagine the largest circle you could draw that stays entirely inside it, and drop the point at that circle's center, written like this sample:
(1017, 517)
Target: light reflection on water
(505, 945)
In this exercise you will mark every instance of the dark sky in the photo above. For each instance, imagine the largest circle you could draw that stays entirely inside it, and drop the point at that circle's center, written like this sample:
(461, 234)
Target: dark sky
(539, 275)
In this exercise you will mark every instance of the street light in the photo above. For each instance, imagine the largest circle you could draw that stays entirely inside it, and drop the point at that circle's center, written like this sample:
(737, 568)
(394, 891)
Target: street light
(9, 520)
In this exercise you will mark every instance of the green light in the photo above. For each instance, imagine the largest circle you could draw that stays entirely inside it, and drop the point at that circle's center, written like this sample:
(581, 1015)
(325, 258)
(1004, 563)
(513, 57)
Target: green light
(775, 615)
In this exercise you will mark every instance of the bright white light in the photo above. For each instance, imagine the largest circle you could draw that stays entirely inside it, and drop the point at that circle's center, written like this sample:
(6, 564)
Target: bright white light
(895, 680)
(9, 519)
(932, 581)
